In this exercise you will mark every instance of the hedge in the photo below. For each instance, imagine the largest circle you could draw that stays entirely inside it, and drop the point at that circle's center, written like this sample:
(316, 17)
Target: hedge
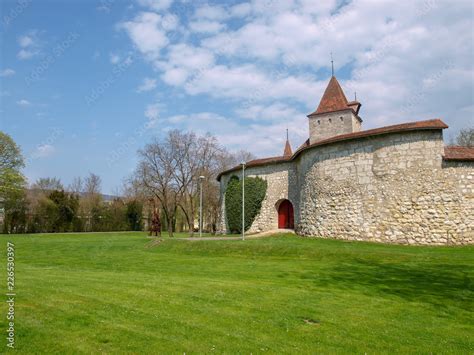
(255, 190)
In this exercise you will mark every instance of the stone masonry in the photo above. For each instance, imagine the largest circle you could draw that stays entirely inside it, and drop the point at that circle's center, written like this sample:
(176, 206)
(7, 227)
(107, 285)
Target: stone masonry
(397, 184)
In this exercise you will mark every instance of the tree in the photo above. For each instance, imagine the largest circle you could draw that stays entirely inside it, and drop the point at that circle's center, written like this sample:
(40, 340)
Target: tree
(90, 203)
(47, 184)
(155, 176)
(10, 154)
(12, 185)
(77, 185)
(465, 138)
(169, 171)
(92, 184)
(66, 209)
(134, 210)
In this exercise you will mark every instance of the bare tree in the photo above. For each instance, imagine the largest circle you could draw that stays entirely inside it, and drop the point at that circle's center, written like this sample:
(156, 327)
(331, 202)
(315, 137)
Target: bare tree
(76, 186)
(465, 138)
(155, 177)
(195, 156)
(169, 170)
(47, 184)
(91, 200)
(92, 184)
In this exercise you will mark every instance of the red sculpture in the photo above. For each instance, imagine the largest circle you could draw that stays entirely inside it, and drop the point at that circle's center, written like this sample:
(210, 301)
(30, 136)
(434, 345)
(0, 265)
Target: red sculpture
(155, 225)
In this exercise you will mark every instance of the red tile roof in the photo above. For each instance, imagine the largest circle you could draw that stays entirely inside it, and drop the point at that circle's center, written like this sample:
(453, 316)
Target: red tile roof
(459, 153)
(333, 98)
(287, 152)
(434, 124)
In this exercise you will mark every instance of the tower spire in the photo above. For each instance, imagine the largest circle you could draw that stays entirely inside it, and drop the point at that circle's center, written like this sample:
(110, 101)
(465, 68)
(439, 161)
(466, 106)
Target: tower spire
(332, 66)
(287, 152)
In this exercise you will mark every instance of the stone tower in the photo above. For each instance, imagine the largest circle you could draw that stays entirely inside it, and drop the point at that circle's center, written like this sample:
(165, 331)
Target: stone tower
(334, 115)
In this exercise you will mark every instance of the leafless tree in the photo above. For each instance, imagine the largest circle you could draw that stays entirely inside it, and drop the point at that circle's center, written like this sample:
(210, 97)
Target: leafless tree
(77, 185)
(154, 176)
(169, 170)
(92, 184)
(91, 199)
(465, 137)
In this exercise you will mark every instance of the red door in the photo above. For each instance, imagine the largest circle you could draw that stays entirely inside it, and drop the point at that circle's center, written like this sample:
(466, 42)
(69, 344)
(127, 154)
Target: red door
(285, 215)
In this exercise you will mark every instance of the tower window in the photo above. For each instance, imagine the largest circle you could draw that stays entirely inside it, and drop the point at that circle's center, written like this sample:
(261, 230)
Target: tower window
(319, 122)
(342, 118)
(330, 120)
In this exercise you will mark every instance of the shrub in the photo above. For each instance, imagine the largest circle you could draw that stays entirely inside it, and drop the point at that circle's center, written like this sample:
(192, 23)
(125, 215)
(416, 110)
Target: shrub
(255, 190)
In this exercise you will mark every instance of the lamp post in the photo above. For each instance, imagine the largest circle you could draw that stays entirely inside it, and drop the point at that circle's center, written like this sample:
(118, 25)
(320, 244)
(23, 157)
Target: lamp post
(243, 200)
(200, 205)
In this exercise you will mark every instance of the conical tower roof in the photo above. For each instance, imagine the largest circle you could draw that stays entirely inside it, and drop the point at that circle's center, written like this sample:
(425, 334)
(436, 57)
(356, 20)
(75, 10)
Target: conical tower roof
(333, 98)
(287, 152)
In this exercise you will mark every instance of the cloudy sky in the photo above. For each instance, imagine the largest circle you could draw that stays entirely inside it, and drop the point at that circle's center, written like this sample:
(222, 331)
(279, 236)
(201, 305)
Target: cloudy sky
(84, 84)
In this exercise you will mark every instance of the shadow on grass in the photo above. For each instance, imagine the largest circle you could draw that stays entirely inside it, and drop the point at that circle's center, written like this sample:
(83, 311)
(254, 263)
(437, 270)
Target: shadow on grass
(435, 284)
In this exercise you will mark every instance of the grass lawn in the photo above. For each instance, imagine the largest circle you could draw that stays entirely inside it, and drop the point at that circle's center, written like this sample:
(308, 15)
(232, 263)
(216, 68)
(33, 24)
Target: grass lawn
(106, 292)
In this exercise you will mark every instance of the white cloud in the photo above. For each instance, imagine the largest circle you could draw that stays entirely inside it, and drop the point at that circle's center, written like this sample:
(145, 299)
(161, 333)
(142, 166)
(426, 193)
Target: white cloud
(148, 32)
(26, 41)
(152, 112)
(211, 12)
(114, 58)
(273, 112)
(44, 151)
(26, 54)
(147, 85)
(262, 139)
(274, 61)
(240, 10)
(7, 72)
(29, 44)
(23, 102)
(156, 5)
(205, 26)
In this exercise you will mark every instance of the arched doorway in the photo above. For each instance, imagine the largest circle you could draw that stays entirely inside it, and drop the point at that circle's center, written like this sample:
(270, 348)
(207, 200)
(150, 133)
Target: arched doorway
(285, 215)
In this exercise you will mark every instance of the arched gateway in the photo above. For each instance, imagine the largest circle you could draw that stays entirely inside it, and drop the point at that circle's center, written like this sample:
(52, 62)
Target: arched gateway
(286, 218)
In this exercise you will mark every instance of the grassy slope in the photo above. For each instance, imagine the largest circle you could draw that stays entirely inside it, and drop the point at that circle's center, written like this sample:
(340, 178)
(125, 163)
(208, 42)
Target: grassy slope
(106, 292)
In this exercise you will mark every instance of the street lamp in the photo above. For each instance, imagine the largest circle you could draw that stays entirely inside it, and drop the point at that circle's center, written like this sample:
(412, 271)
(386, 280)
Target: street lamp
(200, 205)
(243, 200)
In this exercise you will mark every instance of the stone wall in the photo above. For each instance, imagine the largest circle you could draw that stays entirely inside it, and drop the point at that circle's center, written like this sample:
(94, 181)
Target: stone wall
(393, 188)
(278, 188)
(322, 126)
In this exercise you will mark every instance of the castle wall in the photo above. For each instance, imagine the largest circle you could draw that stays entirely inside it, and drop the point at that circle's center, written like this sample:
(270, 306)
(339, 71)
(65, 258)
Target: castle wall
(278, 177)
(391, 189)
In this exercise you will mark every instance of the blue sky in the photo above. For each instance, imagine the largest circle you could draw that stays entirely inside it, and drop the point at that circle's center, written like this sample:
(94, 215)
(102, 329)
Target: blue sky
(85, 84)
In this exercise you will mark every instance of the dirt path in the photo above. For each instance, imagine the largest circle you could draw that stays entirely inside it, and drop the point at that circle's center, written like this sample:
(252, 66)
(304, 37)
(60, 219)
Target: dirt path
(266, 234)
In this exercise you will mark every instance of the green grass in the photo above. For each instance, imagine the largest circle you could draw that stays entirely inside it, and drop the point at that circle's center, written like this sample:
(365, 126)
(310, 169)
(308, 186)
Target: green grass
(107, 293)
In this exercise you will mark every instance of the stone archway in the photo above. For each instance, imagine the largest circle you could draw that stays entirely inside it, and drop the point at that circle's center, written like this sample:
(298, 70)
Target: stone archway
(286, 217)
